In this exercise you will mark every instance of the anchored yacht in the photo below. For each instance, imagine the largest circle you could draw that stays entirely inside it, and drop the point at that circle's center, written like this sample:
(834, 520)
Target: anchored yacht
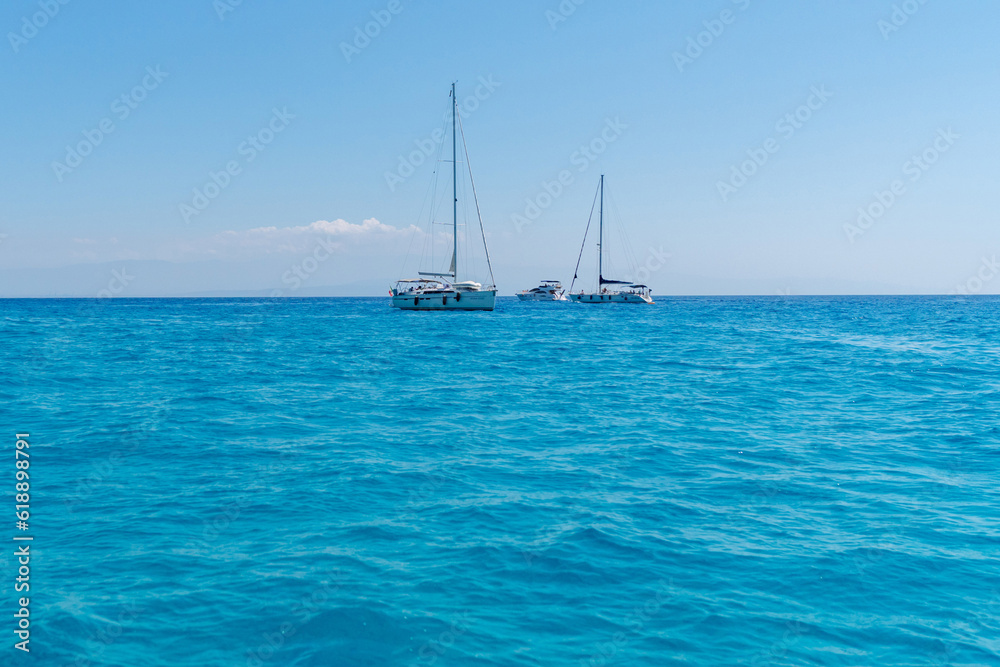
(608, 291)
(443, 290)
(548, 290)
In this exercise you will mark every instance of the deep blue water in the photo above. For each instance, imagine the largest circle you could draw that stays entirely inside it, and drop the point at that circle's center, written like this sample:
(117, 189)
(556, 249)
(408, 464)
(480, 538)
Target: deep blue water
(710, 481)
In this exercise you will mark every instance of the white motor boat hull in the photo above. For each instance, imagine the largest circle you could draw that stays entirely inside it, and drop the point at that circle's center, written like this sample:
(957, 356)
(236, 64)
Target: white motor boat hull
(540, 297)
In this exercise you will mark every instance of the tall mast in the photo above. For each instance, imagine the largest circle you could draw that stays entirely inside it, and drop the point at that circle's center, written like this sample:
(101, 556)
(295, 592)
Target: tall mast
(454, 180)
(600, 243)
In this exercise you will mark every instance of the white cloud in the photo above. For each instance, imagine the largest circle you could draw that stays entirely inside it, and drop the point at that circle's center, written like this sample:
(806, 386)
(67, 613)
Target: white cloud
(260, 241)
(245, 245)
(368, 239)
(338, 227)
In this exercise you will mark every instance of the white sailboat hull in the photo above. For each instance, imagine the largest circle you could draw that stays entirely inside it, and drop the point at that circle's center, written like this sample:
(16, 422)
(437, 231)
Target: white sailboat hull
(611, 298)
(446, 300)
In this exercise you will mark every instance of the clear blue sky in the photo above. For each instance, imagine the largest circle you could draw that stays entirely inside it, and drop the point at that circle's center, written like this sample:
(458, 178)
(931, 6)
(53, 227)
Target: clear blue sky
(890, 95)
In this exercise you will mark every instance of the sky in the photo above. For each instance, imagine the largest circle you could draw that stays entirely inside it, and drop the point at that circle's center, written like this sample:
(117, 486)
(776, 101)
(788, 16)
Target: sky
(254, 147)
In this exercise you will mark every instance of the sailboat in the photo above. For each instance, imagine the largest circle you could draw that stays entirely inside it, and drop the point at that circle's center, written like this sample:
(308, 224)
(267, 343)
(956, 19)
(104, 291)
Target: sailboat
(608, 291)
(443, 290)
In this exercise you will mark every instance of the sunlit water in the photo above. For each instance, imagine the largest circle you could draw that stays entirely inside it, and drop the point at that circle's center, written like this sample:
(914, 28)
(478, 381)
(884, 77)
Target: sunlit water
(710, 481)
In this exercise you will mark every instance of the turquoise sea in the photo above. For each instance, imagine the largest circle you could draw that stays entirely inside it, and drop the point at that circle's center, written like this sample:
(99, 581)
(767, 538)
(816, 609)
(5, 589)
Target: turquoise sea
(330, 482)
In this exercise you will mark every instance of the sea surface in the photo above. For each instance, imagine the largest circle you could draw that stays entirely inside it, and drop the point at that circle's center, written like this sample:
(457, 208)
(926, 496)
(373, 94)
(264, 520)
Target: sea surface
(707, 481)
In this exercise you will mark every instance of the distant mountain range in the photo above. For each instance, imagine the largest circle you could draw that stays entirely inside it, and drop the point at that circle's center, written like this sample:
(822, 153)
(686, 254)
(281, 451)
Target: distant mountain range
(271, 278)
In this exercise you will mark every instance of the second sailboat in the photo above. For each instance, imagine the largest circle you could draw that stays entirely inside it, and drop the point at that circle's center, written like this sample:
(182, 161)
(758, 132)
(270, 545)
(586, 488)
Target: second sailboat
(608, 291)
